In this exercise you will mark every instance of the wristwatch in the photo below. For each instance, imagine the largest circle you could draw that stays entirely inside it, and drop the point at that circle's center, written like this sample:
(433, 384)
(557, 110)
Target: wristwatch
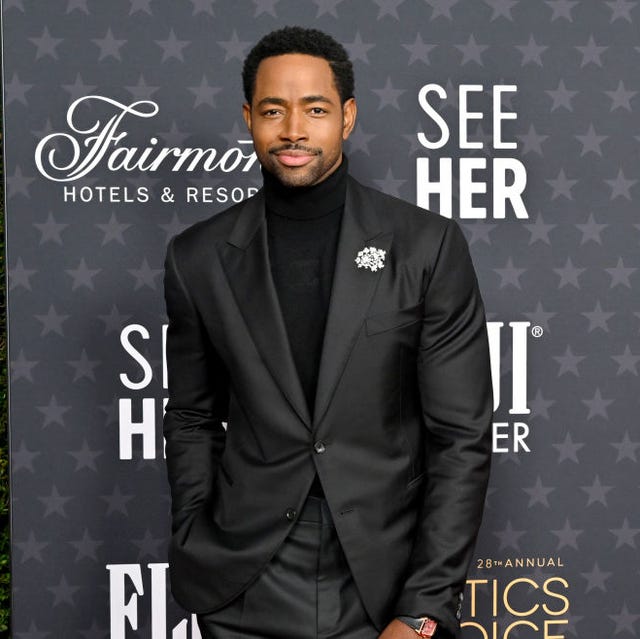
(422, 626)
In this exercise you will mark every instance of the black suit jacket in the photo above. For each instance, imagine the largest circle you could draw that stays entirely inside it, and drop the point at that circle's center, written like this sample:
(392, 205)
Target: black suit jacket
(403, 408)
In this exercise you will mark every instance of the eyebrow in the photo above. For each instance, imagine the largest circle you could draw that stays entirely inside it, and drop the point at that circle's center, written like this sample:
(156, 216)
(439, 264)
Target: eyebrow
(307, 99)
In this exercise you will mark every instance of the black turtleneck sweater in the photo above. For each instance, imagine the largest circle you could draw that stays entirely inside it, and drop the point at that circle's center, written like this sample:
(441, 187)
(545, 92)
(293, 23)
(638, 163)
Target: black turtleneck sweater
(303, 225)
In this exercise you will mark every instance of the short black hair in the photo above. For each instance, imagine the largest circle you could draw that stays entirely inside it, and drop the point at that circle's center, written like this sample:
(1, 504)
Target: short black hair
(295, 39)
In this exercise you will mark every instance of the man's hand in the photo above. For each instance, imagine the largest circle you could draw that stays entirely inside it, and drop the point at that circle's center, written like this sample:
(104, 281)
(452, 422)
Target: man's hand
(398, 630)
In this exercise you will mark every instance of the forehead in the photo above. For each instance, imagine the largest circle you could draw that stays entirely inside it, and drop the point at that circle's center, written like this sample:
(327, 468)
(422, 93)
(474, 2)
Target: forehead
(294, 74)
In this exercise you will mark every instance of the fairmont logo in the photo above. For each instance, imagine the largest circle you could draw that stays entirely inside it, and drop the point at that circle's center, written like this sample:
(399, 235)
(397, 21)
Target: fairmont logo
(69, 156)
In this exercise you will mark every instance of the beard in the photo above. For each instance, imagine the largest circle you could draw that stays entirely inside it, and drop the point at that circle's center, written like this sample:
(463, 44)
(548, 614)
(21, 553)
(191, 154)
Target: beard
(319, 168)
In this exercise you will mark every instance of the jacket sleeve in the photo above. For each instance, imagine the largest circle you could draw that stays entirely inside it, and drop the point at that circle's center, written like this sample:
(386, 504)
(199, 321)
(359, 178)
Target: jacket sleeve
(454, 378)
(198, 400)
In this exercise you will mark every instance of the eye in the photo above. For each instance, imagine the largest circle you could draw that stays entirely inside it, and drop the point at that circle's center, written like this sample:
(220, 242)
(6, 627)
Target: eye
(271, 112)
(318, 111)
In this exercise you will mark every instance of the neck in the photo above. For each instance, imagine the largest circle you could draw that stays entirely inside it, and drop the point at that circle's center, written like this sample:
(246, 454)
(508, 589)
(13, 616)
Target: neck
(306, 202)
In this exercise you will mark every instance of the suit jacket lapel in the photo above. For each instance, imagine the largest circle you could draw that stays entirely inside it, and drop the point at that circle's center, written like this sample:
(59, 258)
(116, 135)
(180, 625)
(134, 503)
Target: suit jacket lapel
(351, 292)
(245, 259)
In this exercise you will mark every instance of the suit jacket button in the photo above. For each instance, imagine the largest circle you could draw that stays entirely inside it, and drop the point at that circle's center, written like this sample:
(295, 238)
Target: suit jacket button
(291, 514)
(319, 447)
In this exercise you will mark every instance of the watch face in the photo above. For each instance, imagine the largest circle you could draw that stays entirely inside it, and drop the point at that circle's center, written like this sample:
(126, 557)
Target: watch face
(428, 627)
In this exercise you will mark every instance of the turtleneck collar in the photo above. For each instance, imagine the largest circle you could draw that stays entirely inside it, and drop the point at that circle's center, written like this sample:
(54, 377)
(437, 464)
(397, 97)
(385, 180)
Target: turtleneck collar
(306, 202)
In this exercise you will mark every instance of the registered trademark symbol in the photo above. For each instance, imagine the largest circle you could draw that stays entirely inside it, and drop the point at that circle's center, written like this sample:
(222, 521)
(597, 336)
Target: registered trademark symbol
(537, 331)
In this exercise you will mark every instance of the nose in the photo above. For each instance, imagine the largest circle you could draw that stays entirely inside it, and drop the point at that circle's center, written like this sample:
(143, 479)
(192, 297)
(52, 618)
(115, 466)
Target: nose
(293, 128)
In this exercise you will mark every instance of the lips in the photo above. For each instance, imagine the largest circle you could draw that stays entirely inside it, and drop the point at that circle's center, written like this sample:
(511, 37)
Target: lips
(294, 158)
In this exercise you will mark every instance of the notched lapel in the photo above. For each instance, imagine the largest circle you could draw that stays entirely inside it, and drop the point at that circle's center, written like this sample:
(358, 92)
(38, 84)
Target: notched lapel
(245, 259)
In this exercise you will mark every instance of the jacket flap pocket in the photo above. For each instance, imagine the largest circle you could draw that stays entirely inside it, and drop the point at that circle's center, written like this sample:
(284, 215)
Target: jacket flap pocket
(393, 319)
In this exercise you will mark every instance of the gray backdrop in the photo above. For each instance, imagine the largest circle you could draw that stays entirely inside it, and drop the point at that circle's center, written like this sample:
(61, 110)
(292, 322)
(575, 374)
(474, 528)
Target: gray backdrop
(559, 275)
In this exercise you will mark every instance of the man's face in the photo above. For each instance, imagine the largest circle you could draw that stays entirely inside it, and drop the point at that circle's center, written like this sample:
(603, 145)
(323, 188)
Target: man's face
(296, 119)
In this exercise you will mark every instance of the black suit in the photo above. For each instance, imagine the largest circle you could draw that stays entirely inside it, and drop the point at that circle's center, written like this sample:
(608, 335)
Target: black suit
(403, 408)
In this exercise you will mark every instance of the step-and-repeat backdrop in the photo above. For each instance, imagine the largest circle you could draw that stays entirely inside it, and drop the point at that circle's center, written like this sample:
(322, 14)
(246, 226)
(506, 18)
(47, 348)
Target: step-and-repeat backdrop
(122, 124)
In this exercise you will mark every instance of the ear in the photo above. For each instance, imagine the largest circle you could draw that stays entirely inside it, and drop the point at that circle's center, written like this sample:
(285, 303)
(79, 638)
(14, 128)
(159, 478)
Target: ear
(349, 111)
(246, 114)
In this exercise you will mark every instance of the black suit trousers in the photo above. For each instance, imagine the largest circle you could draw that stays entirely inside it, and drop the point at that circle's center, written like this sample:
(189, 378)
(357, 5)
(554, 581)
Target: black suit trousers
(305, 591)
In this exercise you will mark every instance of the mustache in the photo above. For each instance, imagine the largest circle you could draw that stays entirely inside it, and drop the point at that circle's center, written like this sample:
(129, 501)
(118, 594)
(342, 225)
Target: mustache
(295, 147)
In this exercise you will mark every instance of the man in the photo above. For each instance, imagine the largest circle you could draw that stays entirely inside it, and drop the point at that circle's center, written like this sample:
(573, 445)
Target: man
(341, 336)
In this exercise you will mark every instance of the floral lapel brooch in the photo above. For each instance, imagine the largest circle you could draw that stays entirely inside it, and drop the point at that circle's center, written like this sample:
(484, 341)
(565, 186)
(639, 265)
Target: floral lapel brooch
(370, 257)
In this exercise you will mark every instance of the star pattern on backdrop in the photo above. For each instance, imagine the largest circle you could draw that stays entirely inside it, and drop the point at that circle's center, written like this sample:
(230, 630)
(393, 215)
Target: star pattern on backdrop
(78, 273)
(172, 47)
(109, 46)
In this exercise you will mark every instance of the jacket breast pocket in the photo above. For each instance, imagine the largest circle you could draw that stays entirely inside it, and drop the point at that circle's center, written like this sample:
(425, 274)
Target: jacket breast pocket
(397, 318)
